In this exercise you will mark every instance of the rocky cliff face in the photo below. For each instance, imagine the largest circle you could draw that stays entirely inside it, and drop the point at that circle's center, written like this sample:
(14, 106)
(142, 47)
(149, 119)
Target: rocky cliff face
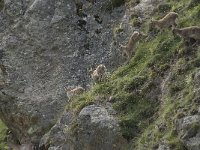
(48, 45)
(45, 47)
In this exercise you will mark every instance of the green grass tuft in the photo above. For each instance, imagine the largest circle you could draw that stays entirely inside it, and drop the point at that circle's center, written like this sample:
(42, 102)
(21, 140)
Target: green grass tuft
(3, 131)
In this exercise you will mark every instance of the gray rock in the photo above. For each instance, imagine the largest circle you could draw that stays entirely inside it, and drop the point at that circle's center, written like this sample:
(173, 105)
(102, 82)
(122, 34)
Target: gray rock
(189, 131)
(57, 137)
(163, 147)
(44, 50)
(145, 8)
(93, 129)
(197, 78)
(193, 143)
(97, 130)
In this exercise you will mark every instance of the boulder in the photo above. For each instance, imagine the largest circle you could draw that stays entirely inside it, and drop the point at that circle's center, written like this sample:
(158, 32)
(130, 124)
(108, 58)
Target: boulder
(94, 128)
(189, 131)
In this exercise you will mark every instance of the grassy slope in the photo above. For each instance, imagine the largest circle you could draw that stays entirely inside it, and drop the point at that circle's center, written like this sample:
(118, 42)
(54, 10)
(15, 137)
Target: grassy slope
(2, 136)
(134, 87)
(181, 88)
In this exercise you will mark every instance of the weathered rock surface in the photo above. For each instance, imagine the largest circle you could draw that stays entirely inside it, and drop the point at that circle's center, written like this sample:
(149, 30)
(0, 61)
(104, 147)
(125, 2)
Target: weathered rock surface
(163, 146)
(43, 50)
(94, 128)
(45, 46)
(189, 131)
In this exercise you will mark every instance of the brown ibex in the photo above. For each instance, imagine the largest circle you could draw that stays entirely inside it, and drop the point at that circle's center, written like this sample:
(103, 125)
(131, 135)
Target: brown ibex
(165, 22)
(188, 32)
(74, 92)
(98, 74)
(129, 49)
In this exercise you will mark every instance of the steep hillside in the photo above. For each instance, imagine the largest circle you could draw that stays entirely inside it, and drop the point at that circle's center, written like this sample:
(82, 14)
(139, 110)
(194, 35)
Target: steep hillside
(158, 88)
(151, 102)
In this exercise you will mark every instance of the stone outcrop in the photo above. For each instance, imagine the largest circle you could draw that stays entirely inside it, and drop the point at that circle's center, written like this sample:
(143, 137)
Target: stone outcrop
(189, 131)
(46, 46)
(189, 127)
(94, 128)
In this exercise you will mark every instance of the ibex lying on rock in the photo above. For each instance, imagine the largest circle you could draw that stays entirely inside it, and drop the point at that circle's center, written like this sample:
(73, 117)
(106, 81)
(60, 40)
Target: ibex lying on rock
(98, 74)
(168, 20)
(188, 33)
(129, 49)
(74, 92)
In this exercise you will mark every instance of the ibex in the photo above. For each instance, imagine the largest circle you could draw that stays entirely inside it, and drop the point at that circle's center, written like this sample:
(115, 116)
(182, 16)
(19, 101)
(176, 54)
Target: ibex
(98, 74)
(165, 22)
(129, 49)
(188, 32)
(74, 92)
